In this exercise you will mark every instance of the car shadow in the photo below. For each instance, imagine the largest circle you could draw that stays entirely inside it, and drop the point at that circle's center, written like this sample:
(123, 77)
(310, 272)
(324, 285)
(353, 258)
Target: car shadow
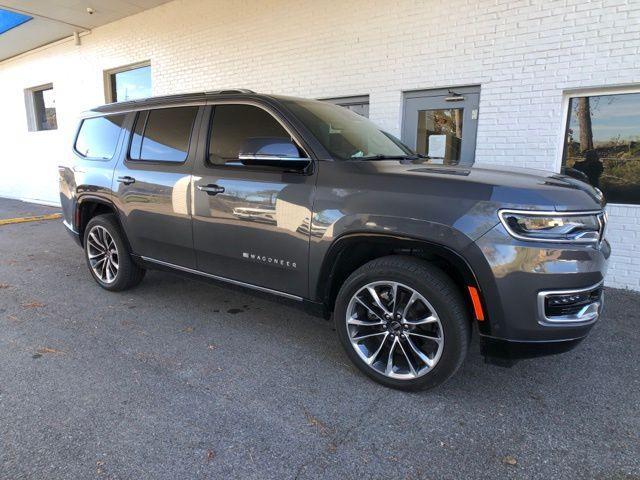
(571, 373)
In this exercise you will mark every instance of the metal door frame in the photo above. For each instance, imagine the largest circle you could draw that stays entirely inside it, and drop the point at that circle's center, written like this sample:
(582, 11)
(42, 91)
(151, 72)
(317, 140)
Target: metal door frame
(410, 115)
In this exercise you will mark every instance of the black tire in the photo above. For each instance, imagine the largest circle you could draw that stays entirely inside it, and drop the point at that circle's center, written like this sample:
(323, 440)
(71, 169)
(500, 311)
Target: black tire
(129, 274)
(438, 289)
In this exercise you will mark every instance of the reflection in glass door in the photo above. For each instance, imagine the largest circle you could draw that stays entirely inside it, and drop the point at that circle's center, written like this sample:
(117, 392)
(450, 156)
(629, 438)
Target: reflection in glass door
(441, 124)
(439, 135)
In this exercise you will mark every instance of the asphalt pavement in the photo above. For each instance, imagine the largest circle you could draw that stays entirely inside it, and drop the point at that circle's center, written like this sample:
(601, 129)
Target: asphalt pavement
(180, 379)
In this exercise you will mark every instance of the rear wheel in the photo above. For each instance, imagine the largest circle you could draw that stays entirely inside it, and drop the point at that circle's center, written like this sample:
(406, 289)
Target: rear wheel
(403, 322)
(107, 255)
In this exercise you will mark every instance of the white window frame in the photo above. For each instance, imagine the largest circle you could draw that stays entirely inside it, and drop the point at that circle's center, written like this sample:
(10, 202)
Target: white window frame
(588, 92)
(32, 116)
(109, 76)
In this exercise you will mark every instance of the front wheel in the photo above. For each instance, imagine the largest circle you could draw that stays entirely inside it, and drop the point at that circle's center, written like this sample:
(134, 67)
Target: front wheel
(403, 322)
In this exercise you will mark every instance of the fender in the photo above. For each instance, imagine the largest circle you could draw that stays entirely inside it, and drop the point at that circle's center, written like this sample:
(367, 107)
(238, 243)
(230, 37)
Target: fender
(410, 242)
(375, 225)
(405, 234)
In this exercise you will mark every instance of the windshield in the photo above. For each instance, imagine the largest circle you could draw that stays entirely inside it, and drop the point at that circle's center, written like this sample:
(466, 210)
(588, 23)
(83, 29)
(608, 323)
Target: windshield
(347, 135)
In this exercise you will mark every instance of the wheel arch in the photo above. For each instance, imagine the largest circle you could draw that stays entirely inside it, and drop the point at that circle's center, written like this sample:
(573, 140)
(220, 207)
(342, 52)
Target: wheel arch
(351, 251)
(90, 206)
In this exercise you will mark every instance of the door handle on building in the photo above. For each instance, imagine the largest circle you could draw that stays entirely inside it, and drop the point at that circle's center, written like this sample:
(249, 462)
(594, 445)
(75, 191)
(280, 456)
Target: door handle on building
(211, 189)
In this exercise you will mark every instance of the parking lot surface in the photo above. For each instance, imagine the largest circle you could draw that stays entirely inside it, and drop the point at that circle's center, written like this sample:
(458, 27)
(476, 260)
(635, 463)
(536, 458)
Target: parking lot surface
(182, 379)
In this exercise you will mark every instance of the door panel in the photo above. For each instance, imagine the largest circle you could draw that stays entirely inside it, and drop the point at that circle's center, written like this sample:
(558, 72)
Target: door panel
(252, 225)
(153, 195)
(442, 124)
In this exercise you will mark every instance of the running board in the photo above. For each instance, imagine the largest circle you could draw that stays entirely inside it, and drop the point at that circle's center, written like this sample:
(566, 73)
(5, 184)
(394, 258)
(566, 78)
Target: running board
(223, 279)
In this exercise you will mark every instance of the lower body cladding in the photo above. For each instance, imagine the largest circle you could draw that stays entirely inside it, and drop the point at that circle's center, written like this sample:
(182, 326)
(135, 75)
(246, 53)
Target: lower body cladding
(540, 298)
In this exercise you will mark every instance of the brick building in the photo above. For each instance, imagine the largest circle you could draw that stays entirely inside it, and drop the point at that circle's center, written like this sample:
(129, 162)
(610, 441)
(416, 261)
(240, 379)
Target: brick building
(511, 74)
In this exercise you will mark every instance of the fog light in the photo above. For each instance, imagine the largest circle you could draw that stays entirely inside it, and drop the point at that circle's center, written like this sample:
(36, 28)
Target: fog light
(571, 306)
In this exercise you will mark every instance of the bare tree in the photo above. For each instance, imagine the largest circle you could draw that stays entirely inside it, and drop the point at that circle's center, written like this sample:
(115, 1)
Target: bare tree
(584, 121)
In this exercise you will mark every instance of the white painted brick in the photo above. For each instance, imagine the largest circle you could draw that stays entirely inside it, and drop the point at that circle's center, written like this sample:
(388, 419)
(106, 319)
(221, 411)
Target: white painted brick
(523, 53)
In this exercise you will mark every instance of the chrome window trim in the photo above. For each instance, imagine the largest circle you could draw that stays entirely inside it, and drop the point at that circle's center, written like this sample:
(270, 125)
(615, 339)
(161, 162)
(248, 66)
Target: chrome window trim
(600, 215)
(585, 317)
(272, 157)
(223, 279)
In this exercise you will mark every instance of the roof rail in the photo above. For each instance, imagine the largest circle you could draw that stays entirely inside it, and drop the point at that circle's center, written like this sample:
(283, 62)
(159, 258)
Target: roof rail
(174, 98)
(232, 90)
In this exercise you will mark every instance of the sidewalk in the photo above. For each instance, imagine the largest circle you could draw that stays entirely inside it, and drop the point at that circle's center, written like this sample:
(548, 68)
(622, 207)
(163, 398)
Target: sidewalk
(18, 209)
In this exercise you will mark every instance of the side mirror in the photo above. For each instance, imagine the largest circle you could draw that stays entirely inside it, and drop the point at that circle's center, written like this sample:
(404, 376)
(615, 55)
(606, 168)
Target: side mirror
(279, 152)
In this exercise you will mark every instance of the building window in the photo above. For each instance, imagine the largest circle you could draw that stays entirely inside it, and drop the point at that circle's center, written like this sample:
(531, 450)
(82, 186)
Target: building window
(128, 83)
(41, 108)
(359, 105)
(602, 144)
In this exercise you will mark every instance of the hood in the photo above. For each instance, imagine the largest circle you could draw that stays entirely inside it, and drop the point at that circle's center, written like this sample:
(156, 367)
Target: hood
(507, 186)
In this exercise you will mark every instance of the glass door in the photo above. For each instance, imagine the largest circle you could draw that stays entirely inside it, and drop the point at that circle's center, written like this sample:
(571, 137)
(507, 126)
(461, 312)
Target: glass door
(442, 124)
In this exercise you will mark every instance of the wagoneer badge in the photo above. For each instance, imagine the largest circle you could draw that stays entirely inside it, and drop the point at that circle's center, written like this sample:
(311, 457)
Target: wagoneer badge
(279, 262)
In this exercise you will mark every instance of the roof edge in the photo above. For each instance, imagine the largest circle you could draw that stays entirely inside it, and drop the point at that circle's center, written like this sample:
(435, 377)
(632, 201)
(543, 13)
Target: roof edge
(169, 99)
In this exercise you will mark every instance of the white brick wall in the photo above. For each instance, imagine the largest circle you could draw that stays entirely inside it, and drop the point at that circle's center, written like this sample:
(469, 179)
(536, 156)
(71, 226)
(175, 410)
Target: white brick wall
(525, 54)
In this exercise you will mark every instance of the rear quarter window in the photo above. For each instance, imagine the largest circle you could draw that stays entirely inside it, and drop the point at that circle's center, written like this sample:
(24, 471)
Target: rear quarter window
(98, 137)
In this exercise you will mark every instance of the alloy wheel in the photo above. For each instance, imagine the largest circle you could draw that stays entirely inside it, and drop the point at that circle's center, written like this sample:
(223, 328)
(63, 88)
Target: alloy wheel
(394, 330)
(103, 254)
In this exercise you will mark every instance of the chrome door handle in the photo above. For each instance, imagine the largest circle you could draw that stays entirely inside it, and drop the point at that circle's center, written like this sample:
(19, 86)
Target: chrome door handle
(126, 180)
(211, 189)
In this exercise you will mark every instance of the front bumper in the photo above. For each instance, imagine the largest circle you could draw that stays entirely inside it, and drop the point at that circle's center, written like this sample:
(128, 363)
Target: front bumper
(526, 286)
(502, 352)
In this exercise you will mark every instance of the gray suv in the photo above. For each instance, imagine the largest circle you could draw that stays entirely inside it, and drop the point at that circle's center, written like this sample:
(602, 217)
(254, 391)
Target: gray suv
(310, 202)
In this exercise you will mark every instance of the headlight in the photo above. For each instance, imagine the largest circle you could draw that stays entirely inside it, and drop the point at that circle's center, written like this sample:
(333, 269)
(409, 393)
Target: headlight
(577, 227)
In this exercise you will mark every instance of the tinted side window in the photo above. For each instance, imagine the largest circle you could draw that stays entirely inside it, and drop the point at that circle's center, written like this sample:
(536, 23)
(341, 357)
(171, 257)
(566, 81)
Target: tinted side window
(98, 137)
(233, 125)
(163, 134)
